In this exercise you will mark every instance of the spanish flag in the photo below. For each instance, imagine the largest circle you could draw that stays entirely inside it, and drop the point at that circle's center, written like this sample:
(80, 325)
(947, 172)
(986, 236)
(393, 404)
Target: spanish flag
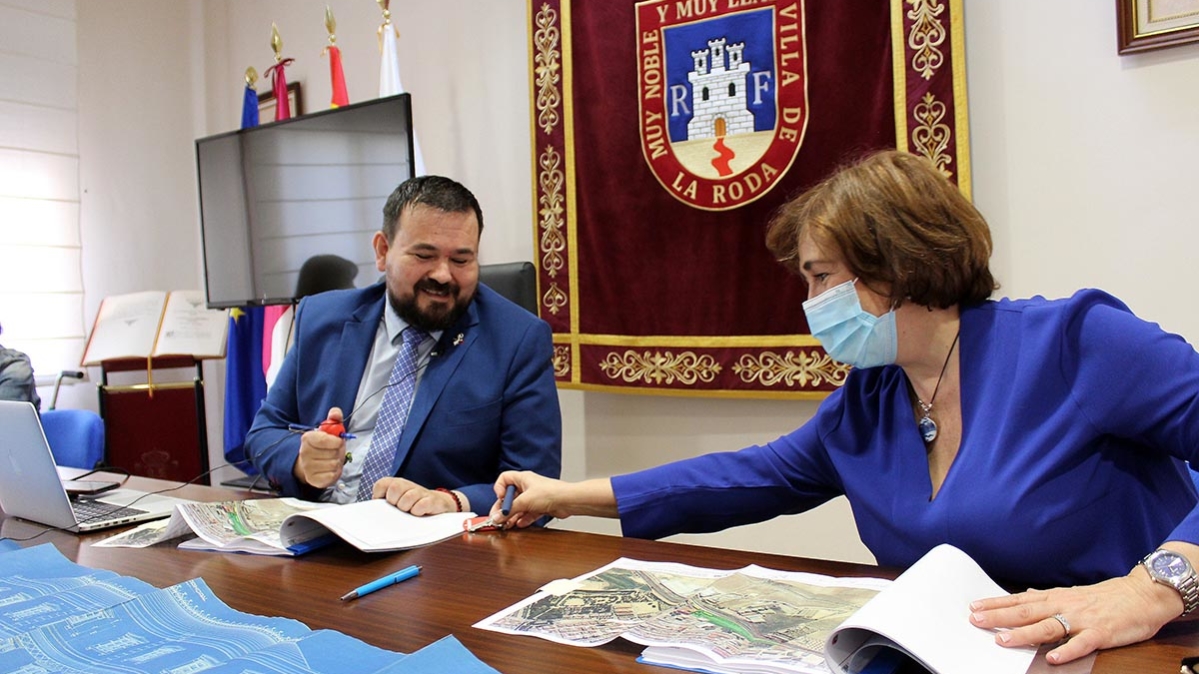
(340, 97)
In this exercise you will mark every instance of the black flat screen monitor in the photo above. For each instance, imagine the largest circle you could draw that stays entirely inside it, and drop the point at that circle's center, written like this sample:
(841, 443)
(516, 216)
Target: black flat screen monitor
(276, 195)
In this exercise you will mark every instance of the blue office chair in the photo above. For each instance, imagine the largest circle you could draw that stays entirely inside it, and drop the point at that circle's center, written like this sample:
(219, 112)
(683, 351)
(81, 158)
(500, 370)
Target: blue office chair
(76, 437)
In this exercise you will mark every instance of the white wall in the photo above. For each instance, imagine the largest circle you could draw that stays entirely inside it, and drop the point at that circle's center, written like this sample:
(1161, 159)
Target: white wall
(138, 215)
(1083, 162)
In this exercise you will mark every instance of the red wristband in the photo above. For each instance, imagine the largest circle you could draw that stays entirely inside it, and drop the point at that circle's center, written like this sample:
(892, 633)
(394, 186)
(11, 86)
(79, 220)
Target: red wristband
(457, 500)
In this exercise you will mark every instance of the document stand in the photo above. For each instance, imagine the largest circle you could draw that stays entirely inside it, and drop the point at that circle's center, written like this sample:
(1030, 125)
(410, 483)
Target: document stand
(156, 429)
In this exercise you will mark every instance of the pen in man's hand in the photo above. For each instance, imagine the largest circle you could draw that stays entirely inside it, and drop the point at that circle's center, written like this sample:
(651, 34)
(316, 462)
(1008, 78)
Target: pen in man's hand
(397, 577)
(301, 428)
(506, 506)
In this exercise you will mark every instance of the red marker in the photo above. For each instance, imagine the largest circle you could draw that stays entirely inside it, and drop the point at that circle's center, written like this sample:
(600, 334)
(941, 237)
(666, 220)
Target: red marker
(333, 427)
(337, 428)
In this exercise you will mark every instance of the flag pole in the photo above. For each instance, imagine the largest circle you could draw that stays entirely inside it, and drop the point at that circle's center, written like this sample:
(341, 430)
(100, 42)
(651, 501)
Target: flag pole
(389, 75)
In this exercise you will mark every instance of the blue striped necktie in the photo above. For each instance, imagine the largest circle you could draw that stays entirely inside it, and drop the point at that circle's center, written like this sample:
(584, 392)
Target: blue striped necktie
(393, 414)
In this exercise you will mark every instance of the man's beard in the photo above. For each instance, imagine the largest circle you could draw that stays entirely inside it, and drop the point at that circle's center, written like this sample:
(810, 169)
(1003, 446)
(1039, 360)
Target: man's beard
(438, 316)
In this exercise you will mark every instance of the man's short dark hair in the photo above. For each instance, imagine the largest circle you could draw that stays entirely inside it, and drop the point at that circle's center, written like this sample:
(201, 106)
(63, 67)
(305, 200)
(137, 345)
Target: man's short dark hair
(435, 191)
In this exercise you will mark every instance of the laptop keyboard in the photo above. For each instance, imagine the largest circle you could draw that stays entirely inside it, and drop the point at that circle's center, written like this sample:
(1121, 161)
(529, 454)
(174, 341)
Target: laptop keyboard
(90, 511)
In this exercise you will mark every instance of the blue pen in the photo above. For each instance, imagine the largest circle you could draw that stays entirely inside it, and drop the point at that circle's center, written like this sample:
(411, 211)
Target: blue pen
(506, 506)
(397, 577)
(312, 544)
(301, 428)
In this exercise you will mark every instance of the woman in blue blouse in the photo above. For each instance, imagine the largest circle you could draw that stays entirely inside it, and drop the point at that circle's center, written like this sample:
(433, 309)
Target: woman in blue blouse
(1045, 438)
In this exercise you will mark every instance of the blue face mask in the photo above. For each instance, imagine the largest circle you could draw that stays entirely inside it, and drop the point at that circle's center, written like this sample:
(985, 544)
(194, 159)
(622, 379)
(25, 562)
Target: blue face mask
(848, 332)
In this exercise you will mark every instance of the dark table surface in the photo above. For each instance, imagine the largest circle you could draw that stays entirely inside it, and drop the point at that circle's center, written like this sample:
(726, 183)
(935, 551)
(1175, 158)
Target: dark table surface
(464, 580)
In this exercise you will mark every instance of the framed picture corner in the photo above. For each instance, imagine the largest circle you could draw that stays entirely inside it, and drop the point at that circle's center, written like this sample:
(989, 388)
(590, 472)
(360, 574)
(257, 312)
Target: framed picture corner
(1144, 25)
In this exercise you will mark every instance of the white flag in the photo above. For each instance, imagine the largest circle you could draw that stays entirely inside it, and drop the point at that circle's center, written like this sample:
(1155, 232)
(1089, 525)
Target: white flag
(390, 85)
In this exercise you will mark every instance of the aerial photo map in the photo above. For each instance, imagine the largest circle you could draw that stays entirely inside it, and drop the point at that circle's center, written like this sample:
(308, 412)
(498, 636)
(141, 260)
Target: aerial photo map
(774, 618)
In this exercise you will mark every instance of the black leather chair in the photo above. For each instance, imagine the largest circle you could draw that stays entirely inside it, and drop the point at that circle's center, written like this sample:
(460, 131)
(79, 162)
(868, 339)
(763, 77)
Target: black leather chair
(516, 281)
(324, 272)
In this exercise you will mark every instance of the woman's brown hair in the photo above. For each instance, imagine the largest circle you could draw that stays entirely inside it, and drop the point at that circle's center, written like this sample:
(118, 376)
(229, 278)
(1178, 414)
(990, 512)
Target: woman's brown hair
(899, 224)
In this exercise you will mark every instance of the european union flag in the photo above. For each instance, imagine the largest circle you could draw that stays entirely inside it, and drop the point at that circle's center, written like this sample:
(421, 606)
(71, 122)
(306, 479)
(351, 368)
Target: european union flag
(249, 108)
(245, 381)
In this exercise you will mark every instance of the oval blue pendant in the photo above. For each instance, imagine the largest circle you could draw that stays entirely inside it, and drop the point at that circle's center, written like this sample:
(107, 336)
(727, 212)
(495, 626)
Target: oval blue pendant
(928, 429)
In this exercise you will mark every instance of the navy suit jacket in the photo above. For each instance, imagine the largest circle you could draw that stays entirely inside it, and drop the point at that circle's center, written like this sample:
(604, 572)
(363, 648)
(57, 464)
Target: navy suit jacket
(486, 402)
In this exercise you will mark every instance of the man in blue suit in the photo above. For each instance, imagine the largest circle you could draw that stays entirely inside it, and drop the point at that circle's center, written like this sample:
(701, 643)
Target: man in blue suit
(484, 399)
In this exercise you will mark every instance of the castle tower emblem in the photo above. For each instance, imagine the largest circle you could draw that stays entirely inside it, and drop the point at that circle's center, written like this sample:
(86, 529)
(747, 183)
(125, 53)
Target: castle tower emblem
(718, 91)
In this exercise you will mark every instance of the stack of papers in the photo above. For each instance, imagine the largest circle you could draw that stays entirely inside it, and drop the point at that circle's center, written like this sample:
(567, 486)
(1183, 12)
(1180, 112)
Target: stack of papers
(288, 526)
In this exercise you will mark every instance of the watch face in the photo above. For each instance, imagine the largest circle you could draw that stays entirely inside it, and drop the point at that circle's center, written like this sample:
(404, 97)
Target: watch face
(1170, 566)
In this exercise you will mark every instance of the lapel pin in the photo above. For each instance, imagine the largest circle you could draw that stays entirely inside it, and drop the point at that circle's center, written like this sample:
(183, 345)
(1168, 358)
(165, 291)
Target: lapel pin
(459, 338)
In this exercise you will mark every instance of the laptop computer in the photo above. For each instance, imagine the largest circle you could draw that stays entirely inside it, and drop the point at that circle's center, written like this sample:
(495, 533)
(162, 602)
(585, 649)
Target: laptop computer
(30, 487)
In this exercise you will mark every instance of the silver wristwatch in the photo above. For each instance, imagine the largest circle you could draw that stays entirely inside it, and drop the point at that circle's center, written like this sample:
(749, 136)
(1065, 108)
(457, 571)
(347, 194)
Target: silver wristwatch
(1170, 568)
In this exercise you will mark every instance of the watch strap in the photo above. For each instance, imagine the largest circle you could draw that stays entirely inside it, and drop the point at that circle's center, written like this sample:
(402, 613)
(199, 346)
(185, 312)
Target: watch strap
(1189, 589)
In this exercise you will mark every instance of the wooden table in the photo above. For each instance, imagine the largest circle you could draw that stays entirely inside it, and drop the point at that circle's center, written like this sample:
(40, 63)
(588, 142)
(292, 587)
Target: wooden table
(464, 580)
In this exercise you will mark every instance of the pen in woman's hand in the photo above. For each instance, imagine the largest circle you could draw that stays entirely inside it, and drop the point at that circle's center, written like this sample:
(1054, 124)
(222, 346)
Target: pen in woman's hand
(506, 506)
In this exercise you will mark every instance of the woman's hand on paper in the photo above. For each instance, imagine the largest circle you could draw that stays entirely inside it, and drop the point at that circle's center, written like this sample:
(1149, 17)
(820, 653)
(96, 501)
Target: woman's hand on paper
(1112, 613)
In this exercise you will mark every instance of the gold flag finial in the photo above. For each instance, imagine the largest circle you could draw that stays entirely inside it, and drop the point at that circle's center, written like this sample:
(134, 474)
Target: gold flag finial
(330, 25)
(384, 4)
(276, 43)
(251, 77)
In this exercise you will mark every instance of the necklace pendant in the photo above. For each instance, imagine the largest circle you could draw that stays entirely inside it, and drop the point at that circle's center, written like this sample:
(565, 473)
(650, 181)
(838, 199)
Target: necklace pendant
(928, 429)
